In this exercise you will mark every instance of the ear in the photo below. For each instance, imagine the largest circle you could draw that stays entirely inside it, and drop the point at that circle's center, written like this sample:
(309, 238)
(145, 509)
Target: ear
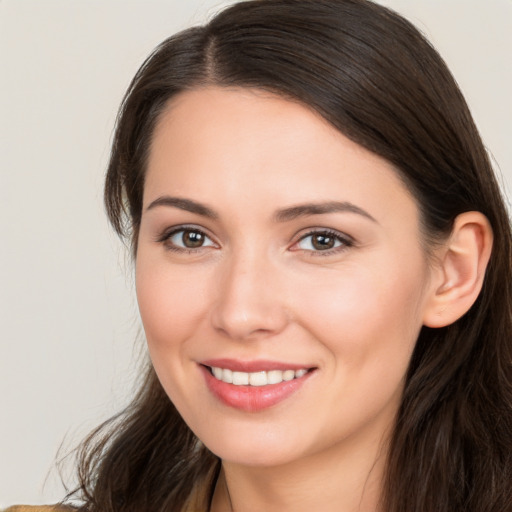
(458, 277)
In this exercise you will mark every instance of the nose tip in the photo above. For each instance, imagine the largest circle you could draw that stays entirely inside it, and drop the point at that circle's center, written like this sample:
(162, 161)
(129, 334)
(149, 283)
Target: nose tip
(240, 323)
(248, 306)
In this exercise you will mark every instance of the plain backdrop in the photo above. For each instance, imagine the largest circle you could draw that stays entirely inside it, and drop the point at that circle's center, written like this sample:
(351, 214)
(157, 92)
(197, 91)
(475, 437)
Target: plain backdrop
(70, 333)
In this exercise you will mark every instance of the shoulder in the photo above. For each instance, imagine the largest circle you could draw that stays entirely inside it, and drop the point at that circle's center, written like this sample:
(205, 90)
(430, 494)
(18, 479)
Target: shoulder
(38, 508)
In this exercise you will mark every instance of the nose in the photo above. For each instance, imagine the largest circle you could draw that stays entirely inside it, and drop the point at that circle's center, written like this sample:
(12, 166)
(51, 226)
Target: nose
(250, 301)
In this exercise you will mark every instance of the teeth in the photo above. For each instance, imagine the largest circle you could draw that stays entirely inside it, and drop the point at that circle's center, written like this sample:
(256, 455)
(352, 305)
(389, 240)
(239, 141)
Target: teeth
(257, 378)
(240, 378)
(288, 375)
(274, 377)
(217, 372)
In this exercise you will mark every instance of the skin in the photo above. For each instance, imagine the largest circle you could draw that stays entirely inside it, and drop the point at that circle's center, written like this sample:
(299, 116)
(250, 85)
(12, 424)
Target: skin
(259, 290)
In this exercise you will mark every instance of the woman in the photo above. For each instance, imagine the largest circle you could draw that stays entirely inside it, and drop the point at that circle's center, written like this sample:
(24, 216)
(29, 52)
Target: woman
(323, 272)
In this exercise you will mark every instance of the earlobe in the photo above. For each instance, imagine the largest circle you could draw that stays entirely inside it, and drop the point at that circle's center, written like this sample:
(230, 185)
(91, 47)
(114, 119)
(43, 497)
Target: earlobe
(460, 275)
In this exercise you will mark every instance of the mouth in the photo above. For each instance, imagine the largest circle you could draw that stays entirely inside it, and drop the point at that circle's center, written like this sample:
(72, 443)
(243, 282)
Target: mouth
(254, 386)
(261, 378)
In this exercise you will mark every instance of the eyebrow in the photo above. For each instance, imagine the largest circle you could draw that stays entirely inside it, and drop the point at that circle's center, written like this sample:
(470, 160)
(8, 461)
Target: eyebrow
(183, 204)
(284, 215)
(304, 210)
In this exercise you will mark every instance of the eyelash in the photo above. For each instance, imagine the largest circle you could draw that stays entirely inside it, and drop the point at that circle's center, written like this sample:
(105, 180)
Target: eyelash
(165, 239)
(345, 241)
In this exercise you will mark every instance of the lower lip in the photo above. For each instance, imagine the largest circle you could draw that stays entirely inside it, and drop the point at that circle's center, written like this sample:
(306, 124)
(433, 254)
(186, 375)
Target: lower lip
(252, 398)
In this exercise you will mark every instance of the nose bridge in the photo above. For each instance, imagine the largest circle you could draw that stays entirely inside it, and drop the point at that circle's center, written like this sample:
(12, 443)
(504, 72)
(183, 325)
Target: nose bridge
(248, 303)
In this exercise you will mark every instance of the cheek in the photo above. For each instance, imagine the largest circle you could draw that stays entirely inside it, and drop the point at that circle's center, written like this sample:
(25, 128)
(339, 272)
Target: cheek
(366, 319)
(171, 301)
(171, 307)
(368, 323)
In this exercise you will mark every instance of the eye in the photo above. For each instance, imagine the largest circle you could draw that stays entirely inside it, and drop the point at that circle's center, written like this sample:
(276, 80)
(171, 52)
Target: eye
(186, 239)
(323, 241)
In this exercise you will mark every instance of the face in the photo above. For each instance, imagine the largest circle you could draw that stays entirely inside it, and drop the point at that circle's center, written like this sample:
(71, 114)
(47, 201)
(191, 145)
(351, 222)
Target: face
(280, 277)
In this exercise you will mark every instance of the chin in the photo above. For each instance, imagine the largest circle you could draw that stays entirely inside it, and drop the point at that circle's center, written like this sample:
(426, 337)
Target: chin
(265, 447)
(263, 458)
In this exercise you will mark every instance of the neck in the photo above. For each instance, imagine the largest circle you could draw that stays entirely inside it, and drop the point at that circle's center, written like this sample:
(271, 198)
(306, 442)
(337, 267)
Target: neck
(340, 479)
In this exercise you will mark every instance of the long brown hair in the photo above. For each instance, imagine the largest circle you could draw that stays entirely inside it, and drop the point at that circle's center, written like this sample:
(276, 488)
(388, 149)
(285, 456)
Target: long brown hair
(373, 76)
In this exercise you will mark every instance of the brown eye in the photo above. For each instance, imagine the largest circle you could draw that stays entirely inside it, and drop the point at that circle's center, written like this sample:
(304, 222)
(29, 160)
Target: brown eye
(192, 239)
(188, 239)
(322, 242)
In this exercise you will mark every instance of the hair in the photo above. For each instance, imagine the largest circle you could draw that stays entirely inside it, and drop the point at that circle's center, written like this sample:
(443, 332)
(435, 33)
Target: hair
(378, 81)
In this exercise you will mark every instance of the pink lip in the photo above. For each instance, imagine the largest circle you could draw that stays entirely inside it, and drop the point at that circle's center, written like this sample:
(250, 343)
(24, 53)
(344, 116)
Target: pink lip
(251, 366)
(251, 398)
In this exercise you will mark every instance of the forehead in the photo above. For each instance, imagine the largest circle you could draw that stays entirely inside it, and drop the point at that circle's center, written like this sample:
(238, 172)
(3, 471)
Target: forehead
(229, 143)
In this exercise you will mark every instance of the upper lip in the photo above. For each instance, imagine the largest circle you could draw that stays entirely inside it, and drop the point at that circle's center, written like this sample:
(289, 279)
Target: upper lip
(252, 366)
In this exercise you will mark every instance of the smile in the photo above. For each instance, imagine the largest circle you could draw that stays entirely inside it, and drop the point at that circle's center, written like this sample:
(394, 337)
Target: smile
(254, 386)
(261, 378)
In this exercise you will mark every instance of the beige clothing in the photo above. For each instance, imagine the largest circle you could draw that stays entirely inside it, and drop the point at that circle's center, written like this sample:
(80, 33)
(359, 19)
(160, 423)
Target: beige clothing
(199, 501)
(38, 508)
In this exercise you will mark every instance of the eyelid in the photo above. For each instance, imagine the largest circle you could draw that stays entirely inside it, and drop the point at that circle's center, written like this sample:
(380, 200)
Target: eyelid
(346, 241)
(166, 234)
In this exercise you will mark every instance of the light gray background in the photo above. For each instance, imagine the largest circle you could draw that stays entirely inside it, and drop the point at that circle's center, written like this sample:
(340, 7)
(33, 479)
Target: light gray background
(68, 320)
